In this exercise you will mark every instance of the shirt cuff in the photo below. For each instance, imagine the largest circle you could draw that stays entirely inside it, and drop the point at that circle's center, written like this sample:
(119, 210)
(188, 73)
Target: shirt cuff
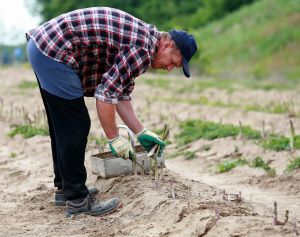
(105, 97)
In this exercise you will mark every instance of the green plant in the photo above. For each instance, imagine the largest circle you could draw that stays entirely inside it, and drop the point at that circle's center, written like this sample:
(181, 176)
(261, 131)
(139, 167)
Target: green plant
(27, 84)
(192, 130)
(293, 164)
(229, 165)
(28, 131)
(99, 142)
(258, 162)
(13, 155)
(189, 155)
(280, 143)
(206, 147)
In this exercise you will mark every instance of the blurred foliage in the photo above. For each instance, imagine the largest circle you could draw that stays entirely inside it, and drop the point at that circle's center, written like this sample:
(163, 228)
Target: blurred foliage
(28, 131)
(293, 164)
(229, 165)
(280, 143)
(256, 38)
(261, 40)
(25, 84)
(164, 14)
(258, 162)
(192, 130)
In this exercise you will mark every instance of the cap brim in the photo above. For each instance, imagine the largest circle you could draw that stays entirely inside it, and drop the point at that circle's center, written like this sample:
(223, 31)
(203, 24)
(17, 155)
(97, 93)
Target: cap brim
(185, 67)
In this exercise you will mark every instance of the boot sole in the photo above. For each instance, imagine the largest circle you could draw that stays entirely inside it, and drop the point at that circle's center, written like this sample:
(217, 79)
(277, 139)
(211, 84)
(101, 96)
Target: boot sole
(119, 206)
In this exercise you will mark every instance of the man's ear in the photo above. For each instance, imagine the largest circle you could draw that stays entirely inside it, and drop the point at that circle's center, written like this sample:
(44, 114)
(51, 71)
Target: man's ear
(167, 44)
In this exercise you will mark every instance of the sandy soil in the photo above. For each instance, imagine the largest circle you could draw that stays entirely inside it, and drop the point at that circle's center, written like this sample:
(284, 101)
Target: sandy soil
(189, 200)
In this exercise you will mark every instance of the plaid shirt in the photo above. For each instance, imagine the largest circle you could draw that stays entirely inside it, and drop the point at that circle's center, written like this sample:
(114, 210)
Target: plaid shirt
(107, 47)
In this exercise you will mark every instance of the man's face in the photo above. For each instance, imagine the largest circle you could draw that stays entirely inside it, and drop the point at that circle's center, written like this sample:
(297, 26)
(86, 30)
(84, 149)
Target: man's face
(167, 57)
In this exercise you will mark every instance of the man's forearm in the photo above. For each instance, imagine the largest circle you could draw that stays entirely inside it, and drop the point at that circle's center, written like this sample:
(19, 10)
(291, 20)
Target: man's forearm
(107, 116)
(127, 114)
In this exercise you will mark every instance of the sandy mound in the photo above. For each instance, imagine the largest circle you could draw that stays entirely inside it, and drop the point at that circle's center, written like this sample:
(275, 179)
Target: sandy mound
(193, 209)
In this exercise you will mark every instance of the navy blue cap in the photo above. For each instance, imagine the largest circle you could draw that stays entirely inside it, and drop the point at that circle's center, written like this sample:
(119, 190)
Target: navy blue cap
(188, 46)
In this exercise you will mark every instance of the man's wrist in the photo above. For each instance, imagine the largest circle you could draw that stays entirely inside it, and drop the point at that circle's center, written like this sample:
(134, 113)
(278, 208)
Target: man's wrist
(141, 132)
(113, 139)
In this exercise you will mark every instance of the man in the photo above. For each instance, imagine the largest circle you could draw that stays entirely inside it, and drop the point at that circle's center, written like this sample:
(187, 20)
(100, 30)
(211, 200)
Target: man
(96, 52)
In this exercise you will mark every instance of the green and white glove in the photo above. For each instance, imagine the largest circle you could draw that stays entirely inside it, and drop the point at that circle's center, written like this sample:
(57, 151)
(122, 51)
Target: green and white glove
(121, 147)
(149, 139)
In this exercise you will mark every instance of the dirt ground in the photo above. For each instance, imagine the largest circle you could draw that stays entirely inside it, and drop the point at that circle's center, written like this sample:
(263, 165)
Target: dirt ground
(188, 201)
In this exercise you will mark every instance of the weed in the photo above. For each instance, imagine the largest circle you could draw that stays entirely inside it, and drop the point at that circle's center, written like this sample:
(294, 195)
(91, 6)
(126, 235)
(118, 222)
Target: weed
(13, 155)
(100, 143)
(192, 130)
(229, 165)
(206, 147)
(280, 143)
(28, 85)
(258, 162)
(189, 155)
(28, 131)
(294, 164)
(174, 155)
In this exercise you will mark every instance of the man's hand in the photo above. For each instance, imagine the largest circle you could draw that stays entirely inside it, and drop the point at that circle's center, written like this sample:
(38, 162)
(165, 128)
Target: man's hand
(120, 147)
(149, 139)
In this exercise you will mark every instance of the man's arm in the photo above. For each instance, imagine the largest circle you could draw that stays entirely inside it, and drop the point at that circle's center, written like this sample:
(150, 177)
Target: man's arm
(127, 114)
(106, 113)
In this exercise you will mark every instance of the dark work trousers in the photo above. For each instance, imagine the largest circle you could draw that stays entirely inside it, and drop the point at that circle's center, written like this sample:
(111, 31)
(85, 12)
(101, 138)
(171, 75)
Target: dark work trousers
(68, 119)
(69, 125)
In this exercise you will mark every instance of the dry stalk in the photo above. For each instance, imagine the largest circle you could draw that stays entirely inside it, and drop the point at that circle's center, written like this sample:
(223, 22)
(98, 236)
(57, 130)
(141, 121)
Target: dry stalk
(240, 136)
(294, 224)
(224, 195)
(143, 169)
(173, 194)
(263, 131)
(217, 212)
(161, 171)
(275, 218)
(292, 136)
(272, 128)
(150, 166)
(235, 197)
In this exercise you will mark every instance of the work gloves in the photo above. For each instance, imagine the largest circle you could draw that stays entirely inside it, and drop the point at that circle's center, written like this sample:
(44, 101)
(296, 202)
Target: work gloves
(121, 147)
(149, 139)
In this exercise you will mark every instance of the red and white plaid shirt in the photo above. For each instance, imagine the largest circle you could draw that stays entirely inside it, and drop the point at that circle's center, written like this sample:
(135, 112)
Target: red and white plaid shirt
(107, 47)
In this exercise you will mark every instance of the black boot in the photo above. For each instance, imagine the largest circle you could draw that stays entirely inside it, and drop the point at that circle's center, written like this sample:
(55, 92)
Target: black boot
(91, 206)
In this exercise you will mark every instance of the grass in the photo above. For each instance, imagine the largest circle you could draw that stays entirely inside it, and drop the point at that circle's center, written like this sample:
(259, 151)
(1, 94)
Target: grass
(28, 131)
(189, 155)
(280, 143)
(294, 164)
(276, 108)
(201, 85)
(258, 162)
(100, 143)
(192, 130)
(229, 165)
(257, 38)
(25, 85)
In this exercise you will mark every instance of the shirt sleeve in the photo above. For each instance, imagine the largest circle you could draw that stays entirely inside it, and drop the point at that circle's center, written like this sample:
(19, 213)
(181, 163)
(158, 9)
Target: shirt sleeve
(118, 82)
